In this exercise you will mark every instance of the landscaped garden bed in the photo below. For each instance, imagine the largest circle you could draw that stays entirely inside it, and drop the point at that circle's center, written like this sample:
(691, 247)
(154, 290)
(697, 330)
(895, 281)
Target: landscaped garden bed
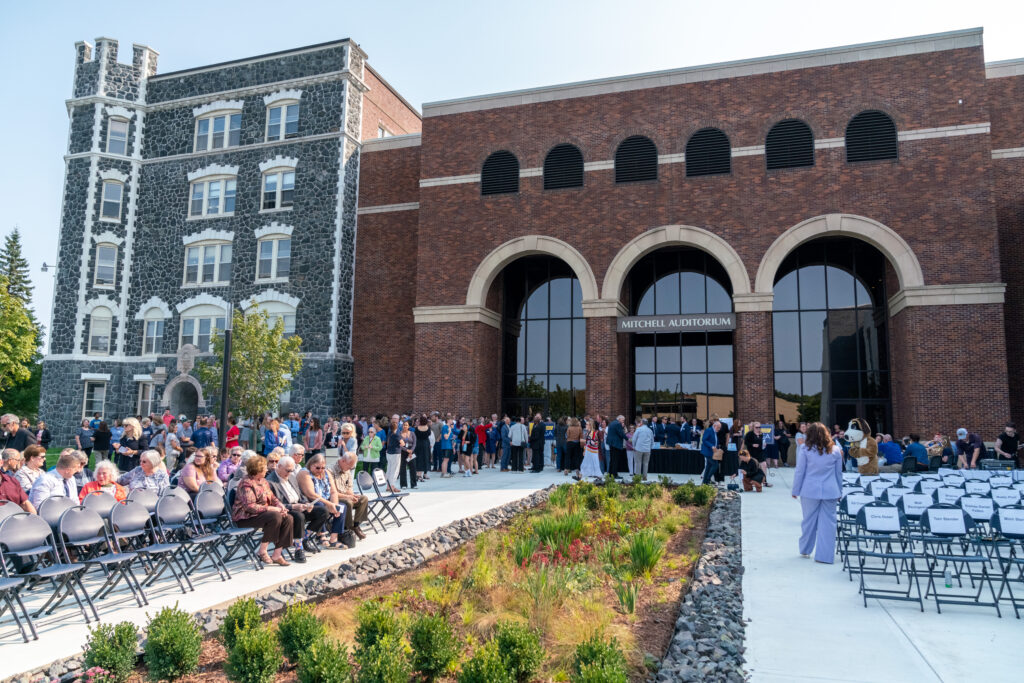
(586, 587)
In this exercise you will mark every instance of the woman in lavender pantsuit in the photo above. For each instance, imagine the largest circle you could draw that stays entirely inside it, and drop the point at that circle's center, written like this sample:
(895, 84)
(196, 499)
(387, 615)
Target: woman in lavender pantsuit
(818, 482)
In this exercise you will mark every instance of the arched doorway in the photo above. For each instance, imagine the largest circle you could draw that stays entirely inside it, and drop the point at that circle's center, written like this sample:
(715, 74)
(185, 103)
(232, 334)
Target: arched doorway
(680, 375)
(183, 395)
(830, 332)
(544, 338)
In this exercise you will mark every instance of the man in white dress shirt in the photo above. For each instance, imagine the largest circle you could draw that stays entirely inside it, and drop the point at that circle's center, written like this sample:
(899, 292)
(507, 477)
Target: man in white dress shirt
(58, 482)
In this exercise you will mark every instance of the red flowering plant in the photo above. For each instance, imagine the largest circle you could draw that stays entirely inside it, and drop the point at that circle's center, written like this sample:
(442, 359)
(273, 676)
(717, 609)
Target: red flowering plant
(96, 674)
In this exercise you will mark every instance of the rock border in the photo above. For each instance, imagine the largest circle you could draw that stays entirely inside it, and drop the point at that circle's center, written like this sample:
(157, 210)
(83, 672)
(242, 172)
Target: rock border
(708, 644)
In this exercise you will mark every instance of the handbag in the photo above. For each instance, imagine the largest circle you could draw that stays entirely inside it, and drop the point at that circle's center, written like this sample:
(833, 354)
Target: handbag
(717, 454)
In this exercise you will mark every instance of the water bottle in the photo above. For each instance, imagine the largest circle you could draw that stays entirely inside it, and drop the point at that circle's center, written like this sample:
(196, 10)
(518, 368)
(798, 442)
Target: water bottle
(949, 578)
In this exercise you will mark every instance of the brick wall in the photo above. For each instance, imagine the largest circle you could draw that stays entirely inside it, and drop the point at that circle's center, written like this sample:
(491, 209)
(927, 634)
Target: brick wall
(754, 381)
(458, 368)
(607, 369)
(382, 106)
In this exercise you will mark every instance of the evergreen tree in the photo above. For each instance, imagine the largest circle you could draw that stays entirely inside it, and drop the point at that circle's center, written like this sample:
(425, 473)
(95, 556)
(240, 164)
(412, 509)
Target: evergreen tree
(14, 267)
(19, 386)
(17, 340)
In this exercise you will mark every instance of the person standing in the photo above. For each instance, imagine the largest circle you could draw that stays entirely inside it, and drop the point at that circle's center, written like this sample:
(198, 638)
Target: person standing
(231, 436)
(407, 467)
(573, 447)
(422, 448)
(643, 442)
(447, 446)
(818, 482)
(537, 443)
(591, 466)
(1008, 443)
(517, 441)
(708, 444)
(782, 441)
(969, 448)
(504, 435)
(83, 437)
(616, 438)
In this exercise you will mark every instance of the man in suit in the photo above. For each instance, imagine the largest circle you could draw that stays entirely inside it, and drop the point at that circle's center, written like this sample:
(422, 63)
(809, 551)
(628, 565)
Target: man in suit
(708, 444)
(616, 438)
(305, 515)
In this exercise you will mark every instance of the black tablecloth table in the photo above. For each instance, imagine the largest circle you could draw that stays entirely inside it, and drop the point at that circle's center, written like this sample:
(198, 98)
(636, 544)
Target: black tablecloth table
(682, 461)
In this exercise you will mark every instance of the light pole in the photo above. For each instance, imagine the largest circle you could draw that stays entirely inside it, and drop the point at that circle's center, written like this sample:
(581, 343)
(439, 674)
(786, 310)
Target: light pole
(225, 378)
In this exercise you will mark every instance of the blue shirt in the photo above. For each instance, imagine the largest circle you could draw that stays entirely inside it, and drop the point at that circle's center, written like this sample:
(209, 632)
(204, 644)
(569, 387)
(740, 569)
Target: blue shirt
(708, 443)
(890, 450)
(916, 450)
(293, 427)
(201, 438)
(446, 438)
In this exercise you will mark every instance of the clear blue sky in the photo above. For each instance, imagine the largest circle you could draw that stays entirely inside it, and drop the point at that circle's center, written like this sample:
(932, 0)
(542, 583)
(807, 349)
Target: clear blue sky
(427, 50)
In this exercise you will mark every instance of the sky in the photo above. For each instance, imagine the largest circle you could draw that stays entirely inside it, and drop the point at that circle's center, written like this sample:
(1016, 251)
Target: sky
(428, 51)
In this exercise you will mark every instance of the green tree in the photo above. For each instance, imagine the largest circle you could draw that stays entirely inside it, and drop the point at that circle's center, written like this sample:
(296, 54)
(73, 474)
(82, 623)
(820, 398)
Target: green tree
(262, 362)
(21, 396)
(17, 340)
(14, 267)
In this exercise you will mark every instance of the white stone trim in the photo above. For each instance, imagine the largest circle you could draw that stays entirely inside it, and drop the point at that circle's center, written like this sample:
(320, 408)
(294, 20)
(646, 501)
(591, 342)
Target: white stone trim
(669, 235)
(607, 165)
(603, 308)
(456, 314)
(884, 238)
(218, 105)
(1010, 153)
(278, 162)
(114, 174)
(102, 301)
(677, 158)
(94, 376)
(751, 302)
(208, 235)
(87, 226)
(1004, 68)
(142, 378)
(212, 169)
(273, 228)
(280, 95)
(385, 208)
(494, 262)
(339, 224)
(752, 150)
(450, 180)
(747, 67)
(107, 238)
(392, 142)
(944, 131)
(118, 111)
(201, 299)
(151, 303)
(829, 143)
(531, 172)
(947, 295)
(268, 295)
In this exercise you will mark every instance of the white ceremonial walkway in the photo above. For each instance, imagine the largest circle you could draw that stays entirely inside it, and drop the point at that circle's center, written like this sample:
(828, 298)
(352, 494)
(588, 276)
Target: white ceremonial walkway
(436, 503)
(807, 623)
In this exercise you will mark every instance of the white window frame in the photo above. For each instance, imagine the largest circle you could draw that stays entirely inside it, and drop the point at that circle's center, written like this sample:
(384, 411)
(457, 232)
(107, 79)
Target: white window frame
(200, 249)
(96, 267)
(149, 341)
(110, 127)
(104, 200)
(282, 124)
(383, 132)
(87, 410)
(194, 318)
(146, 397)
(278, 310)
(210, 119)
(227, 188)
(279, 173)
(275, 259)
(100, 313)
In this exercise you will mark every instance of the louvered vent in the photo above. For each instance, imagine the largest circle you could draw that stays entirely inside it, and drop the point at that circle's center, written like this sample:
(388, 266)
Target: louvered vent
(789, 144)
(563, 167)
(500, 174)
(636, 159)
(871, 136)
(708, 153)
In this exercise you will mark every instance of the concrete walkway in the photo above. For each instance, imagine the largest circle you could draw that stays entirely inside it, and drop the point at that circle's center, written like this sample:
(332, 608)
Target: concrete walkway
(808, 623)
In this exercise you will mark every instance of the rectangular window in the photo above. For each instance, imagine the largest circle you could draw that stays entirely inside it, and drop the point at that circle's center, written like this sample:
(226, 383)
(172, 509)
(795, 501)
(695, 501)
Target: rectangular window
(192, 265)
(111, 209)
(283, 121)
(95, 395)
(287, 322)
(153, 337)
(199, 331)
(212, 197)
(224, 265)
(208, 264)
(106, 263)
(382, 132)
(117, 136)
(270, 191)
(278, 190)
(145, 404)
(218, 132)
(274, 258)
(99, 334)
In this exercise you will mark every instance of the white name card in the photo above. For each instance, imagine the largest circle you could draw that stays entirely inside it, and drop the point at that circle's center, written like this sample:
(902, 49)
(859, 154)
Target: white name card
(946, 471)
(929, 485)
(1004, 496)
(1012, 521)
(916, 503)
(850, 478)
(1001, 480)
(847, 490)
(894, 493)
(909, 480)
(980, 487)
(946, 521)
(983, 475)
(855, 501)
(882, 484)
(953, 481)
(980, 509)
(868, 478)
(949, 495)
(882, 519)
(890, 476)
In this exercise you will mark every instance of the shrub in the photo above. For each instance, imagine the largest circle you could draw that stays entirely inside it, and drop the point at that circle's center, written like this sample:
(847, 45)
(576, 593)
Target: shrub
(173, 643)
(113, 648)
(611, 487)
(599, 661)
(241, 614)
(559, 496)
(558, 532)
(385, 661)
(594, 500)
(683, 495)
(520, 648)
(666, 482)
(376, 620)
(585, 487)
(703, 495)
(297, 628)
(255, 656)
(324, 661)
(433, 646)
(524, 548)
(485, 666)
(645, 549)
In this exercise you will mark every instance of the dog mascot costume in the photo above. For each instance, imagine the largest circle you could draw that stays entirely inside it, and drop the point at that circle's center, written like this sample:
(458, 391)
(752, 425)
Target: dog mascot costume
(863, 447)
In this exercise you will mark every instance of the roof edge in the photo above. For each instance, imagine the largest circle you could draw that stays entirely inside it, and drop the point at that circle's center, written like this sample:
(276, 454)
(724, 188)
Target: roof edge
(258, 58)
(1004, 68)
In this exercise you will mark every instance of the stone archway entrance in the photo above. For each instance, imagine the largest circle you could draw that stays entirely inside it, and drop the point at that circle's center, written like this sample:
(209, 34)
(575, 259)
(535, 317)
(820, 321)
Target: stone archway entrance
(184, 400)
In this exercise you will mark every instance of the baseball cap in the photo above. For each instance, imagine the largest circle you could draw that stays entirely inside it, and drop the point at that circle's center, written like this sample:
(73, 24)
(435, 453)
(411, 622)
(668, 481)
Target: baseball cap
(961, 433)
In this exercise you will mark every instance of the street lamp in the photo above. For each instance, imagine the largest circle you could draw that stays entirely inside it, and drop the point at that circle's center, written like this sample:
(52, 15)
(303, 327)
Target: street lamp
(225, 378)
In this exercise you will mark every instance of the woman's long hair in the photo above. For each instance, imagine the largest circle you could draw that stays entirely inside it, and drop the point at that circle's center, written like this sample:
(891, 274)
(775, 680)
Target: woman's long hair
(819, 438)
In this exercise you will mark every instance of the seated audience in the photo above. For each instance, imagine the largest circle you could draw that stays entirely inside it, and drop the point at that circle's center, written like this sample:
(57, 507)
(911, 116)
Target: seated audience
(148, 475)
(198, 472)
(230, 464)
(84, 475)
(317, 487)
(916, 450)
(13, 460)
(106, 481)
(33, 467)
(256, 507)
(59, 481)
(307, 518)
(890, 450)
(344, 486)
(10, 489)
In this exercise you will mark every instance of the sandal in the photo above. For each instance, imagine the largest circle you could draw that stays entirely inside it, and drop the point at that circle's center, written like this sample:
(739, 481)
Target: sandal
(265, 558)
(283, 562)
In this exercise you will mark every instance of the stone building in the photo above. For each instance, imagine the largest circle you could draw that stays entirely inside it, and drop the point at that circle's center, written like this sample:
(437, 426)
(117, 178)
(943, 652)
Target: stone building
(833, 233)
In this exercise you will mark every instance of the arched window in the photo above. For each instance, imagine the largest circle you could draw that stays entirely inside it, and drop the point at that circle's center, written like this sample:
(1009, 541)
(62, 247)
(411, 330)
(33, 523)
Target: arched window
(278, 310)
(790, 144)
(636, 159)
(500, 174)
(871, 136)
(708, 153)
(563, 167)
(99, 331)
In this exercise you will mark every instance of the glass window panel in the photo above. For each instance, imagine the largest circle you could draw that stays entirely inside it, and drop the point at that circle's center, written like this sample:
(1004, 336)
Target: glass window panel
(284, 254)
(785, 293)
(213, 197)
(117, 136)
(883, 349)
(719, 354)
(537, 303)
(863, 296)
(561, 297)
(786, 340)
(579, 382)
(579, 345)
(720, 384)
(202, 133)
(643, 352)
(536, 346)
(840, 287)
(842, 340)
(287, 188)
(788, 383)
(812, 287)
(188, 330)
(196, 206)
(270, 191)
(812, 333)
(695, 353)
(646, 305)
(719, 300)
(217, 139)
(229, 196)
(874, 384)
(667, 353)
(577, 298)
(235, 130)
(666, 295)
(561, 349)
(844, 384)
(291, 124)
(521, 347)
(812, 383)
(694, 295)
(695, 383)
(209, 263)
(274, 123)
(266, 260)
(224, 274)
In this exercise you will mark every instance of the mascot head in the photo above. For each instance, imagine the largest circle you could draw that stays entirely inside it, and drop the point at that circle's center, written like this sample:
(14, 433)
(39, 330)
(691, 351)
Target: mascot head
(857, 429)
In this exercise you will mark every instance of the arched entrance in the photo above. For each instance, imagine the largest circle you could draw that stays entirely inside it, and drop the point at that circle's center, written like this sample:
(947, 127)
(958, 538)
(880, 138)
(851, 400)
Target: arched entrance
(184, 396)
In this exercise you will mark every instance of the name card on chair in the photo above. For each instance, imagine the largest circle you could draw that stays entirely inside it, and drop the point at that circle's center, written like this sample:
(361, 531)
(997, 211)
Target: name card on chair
(929, 485)
(889, 476)
(946, 521)
(914, 504)
(1004, 495)
(949, 495)
(885, 519)
(946, 471)
(866, 479)
(980, 487)
(1001, 480)
(894, 493)
(1012, 521)
(855, 501)
(980, 509)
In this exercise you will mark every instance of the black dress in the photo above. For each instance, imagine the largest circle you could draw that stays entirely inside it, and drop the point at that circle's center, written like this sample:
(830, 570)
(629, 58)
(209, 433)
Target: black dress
(126, 463)
(422, 449)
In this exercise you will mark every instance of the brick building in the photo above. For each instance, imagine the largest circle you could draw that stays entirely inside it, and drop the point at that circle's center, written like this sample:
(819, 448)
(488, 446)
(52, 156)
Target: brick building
(830, 233)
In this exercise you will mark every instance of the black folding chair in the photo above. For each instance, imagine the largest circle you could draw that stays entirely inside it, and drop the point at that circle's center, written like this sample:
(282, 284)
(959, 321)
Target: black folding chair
(176, 521)
(145, 497)
(86, 531)
(394, 500)
(214, 516)
(132, 525)
(101, 503)
(376, 507)
(10, 600)
(51, 509)
(1008, 522)
(29, 539)
(879, 527)
(945, 524)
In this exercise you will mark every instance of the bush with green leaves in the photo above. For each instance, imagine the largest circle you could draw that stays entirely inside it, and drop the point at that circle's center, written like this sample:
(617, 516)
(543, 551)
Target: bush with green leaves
(325, 660)
(521, 649)
(385, 661)
(375, 620)
(523, 549)
(599, 661)
(612, 487)
(241, 614)
(486, 666)
(433, 646)
(297, 628)
(113, 648)
(645, 549)
(703, 495)
(559, 531)
(174, 640)
(255, 656)
(683, 495)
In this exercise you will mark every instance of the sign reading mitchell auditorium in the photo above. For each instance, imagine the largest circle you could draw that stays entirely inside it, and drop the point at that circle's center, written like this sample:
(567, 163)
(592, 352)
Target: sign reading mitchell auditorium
(697, 322)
